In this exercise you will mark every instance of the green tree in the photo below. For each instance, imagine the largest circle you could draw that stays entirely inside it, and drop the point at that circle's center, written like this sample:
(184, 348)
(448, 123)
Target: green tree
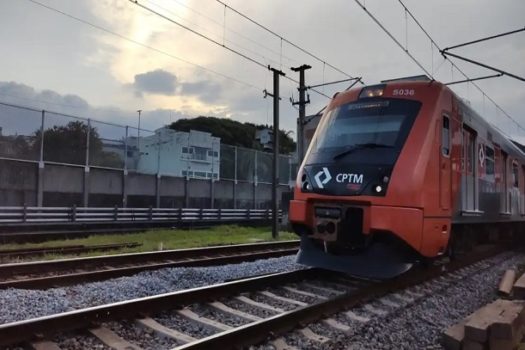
(17, 146)
(232, 132)
(67, 144)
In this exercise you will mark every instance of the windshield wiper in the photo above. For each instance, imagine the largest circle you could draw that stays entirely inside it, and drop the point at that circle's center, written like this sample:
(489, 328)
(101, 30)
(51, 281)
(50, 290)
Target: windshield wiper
(357, 146)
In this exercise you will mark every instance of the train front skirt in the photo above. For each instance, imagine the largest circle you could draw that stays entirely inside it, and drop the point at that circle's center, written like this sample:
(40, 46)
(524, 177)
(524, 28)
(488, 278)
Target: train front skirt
(379, 261)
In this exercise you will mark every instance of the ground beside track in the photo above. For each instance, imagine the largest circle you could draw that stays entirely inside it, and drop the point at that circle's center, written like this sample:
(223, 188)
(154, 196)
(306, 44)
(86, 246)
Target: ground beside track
(161, 239)
(19, 304)
(416, 323)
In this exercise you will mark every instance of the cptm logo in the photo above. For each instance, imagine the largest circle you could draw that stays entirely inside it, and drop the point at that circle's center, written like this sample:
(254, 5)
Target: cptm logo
(327, 177)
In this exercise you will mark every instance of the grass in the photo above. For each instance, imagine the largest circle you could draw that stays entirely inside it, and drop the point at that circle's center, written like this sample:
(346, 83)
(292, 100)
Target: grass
(163, 239)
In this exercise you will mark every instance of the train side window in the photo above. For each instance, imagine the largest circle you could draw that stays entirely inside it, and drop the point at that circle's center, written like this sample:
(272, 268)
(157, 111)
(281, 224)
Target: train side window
(515, 175)
(489, 160)
(445, 136)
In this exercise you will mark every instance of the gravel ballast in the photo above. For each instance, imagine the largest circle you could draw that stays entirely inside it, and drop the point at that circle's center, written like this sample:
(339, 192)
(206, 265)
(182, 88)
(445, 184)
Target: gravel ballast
(417, 324)
(20, 304)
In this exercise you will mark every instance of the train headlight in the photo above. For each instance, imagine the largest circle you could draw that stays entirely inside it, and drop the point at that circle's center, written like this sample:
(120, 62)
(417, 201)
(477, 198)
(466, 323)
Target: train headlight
(372, 91)
(306, 187)
(378, 188)
(305, 184)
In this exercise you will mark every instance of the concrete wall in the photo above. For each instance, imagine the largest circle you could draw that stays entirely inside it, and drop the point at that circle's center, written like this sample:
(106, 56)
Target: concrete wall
(18, 183)
(172, 192)
(61, 185)
(105, 188)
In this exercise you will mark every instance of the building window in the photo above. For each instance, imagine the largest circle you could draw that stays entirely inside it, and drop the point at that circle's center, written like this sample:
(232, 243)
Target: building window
(214, 154)
(200, 153)
(185, 150)
(200, 174)
(445, 136)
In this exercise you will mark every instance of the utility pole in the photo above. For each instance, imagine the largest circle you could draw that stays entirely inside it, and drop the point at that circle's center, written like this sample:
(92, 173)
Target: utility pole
(302, 110)
(139, 111)
(275, 168)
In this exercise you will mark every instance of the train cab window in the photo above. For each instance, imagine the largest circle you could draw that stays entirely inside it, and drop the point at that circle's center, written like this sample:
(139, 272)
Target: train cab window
(445, 137)
(515, 175)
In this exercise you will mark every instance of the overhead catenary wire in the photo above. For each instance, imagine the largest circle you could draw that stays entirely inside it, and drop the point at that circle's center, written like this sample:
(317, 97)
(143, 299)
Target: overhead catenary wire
(224, 40)
(146, 46)
(283, 39)
(459, 69)
(246, 57)
(394, 38)
(420, 65)
(255, 42)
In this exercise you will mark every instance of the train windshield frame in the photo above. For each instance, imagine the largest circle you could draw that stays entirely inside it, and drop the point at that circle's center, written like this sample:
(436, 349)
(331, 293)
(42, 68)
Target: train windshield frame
(369, 131)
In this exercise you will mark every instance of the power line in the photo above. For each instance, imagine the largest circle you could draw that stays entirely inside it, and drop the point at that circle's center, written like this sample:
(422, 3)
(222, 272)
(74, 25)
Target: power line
(405, 49)
(234, 31)
(394, 39)
(284, 39)
(485, 39)
(459, 69)
(143, 45)
(209, 31)
(149, 9)
(246, 57)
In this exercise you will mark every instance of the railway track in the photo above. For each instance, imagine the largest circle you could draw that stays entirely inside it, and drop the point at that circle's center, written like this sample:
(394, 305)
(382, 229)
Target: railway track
(53, 273)
(10, 254)
(235, 314)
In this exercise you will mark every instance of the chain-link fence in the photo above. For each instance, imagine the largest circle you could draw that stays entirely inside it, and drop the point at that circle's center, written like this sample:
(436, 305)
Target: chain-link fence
(48, 139)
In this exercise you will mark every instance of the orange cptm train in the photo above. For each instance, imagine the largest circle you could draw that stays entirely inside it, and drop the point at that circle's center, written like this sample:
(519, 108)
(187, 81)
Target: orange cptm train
(402, 172)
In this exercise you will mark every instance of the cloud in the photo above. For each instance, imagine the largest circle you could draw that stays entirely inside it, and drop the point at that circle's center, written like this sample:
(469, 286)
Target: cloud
(158, 82)
(206, 91)
(109, 121)
(161, 82)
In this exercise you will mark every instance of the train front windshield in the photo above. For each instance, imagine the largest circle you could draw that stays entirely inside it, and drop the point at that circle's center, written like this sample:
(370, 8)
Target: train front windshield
(371, 131)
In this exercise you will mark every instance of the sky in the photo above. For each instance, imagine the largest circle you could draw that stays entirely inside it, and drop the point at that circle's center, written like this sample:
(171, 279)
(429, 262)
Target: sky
(105, 59)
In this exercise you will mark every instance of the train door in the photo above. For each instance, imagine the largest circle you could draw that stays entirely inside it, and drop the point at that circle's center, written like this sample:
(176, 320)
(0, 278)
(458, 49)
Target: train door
(469, 177)
(515, 189)
(505, 205)
(522, 191)
(444, 172)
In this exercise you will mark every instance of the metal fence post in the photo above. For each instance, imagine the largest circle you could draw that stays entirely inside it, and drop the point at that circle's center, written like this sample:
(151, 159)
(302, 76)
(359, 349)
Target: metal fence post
(255, 180)
(289, 170)
(150, 215)
(86, 168)
(159, 176)
(235, 178)
(125, 172)
(74, 213)
(24, 213)
(40, 171)
(115, 213)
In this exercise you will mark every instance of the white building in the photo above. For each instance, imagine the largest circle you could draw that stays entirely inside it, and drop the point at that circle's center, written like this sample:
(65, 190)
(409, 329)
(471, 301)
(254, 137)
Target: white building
(193, 154)
(265, 137)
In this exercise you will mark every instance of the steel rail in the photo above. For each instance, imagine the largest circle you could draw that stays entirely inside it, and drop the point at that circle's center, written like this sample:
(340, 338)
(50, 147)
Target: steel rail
(66, 271)
(258, 331)
(47, 326)
(27, 330)
(67, 249)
